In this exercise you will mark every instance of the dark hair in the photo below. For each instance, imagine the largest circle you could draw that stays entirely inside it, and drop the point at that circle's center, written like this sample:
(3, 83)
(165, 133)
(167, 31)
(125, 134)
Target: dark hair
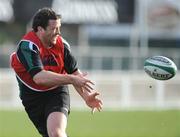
(42, 17)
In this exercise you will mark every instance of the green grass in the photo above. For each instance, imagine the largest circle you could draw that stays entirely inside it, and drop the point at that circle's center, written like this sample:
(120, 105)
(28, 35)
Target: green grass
(104, 124)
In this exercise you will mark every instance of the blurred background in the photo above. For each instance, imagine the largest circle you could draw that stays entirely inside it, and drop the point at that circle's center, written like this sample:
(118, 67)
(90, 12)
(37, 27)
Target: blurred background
(111, 40)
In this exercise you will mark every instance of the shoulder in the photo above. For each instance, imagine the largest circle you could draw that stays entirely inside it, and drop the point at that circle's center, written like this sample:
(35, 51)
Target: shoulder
(65, 43)
(27, 45)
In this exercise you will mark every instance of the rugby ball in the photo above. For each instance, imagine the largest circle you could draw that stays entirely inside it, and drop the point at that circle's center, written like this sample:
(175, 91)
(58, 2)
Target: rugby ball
(160, 67)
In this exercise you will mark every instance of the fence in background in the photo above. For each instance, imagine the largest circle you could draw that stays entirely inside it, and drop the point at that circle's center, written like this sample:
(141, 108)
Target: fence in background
(119, 90)
(120, 58)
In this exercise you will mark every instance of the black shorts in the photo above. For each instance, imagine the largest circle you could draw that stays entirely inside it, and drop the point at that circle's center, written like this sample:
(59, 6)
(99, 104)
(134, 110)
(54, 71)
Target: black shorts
(39, 105)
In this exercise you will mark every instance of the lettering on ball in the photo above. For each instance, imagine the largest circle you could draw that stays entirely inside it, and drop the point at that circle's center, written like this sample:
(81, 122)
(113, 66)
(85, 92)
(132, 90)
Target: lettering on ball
(157, 75)
(160, 75)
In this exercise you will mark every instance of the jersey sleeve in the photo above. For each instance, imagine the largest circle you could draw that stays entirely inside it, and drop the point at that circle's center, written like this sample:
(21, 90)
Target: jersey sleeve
(70, 62)
(28, 55)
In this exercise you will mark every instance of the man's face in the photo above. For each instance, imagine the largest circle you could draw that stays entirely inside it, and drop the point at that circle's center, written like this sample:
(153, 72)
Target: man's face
(52, 31)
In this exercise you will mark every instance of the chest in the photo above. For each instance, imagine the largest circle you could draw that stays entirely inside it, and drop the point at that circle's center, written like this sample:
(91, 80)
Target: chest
(52, 59)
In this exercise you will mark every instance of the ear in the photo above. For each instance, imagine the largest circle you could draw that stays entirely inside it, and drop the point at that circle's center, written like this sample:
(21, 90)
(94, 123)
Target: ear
(40, 29)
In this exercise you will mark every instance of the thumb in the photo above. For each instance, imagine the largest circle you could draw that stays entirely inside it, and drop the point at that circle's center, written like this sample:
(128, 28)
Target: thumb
(84, 74)
(95, 94)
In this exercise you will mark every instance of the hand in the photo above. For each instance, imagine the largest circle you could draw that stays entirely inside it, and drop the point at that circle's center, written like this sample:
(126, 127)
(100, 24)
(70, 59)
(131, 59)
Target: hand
(82, 82)
(93, 102)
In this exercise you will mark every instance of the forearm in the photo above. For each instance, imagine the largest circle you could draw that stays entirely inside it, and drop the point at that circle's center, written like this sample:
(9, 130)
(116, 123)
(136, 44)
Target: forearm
(83, 94)
(48, 78)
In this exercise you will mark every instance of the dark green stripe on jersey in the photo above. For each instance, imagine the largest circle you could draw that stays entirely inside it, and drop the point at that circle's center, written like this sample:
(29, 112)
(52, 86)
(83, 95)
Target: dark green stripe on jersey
(28, 55)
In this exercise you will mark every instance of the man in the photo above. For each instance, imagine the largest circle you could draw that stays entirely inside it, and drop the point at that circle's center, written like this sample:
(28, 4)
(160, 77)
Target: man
(44, 65)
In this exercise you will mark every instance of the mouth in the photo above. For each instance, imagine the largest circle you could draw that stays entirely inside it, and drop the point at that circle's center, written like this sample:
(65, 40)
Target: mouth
(53, 36)
(53, 39)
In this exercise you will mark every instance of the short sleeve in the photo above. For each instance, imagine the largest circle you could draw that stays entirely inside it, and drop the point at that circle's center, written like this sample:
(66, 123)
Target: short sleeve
(70, 62)
(28, 54)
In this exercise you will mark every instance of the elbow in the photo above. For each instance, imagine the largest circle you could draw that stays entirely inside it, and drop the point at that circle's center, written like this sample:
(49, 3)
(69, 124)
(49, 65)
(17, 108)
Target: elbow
(40, 78)
(38, 81)
(44, 78)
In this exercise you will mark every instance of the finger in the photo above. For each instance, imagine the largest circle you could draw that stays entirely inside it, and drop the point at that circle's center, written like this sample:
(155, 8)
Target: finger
(88, 86)
(99, 109)
(93, 110)
(99, 106)
(89, 81)
(101, 102)
(87, 89)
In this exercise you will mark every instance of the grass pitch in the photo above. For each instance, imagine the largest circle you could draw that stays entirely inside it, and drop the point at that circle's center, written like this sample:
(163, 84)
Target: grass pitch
(103, 124)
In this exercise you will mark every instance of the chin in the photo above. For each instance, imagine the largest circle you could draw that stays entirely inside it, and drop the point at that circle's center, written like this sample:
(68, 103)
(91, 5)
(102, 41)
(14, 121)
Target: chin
(53, 42)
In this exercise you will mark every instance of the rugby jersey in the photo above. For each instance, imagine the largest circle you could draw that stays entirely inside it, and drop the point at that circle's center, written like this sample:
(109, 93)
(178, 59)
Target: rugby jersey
(31, 57)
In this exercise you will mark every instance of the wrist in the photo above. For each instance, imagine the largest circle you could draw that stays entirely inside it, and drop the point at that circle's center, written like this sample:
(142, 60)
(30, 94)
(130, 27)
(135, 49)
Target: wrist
(70, 78)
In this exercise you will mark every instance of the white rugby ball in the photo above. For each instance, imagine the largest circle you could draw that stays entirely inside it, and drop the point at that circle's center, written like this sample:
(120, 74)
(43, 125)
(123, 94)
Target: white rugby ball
(160, 67)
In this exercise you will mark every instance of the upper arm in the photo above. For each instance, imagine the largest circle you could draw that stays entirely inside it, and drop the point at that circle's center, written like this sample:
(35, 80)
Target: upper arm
(28, 55)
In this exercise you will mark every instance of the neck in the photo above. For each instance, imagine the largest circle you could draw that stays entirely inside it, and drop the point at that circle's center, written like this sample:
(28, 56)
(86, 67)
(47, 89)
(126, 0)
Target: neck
(42, 40)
